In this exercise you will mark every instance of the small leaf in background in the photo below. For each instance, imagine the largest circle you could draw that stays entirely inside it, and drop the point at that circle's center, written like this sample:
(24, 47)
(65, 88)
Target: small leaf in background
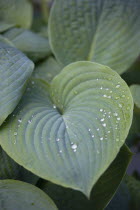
(5, 41)
(47, 69)
(107, 32)
(35, 46)
(134, 189)
(71, 131)
(135, 90)
(15, 70)
(102, 192)
(15, 195)
(5, 26)
(18, 12)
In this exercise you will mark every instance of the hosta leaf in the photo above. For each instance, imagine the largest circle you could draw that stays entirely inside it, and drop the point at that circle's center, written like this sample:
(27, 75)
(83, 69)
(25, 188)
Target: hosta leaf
(18, 12)
(20, 195)
(70, 132)
(8, 168)
(135, 90)
(103, 31)
(33, 45)
(5, 41)
(5, 26)
(104, 189)
(15, 69)
(134, 189)
(47, 69)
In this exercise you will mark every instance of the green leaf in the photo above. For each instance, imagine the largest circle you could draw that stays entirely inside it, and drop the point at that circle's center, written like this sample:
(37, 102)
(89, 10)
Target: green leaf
(134, 189)
(71, 131)
(104, 189)
(135, 90)
(32, 44)
(5, 41)
(20, 195)
(121, 199)
(15, 69)
(47, 69)
(8, 168)
(17, 12)
(5, 26)
(102, 31)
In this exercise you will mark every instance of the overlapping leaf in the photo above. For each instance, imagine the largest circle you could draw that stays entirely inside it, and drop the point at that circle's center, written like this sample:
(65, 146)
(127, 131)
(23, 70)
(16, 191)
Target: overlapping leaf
(18, 12)
(70, 132)
(5, 26)
(20, 195)
(15, 69)
(105, 31)
(135, 90)
(47, 69)
(33, 45)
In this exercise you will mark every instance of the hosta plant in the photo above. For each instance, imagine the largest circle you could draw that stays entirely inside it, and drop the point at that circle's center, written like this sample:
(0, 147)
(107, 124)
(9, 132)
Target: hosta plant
(67, 95)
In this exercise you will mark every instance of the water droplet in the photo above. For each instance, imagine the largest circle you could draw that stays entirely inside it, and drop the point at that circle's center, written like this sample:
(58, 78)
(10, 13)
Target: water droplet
(54, 106)
(101, 110)
(108, 131)
(115, 114)
(15, 133)
(92, 136)
(98, 152)
(98, 129)
(101, 88)
(109, 96)
(117, 98)
(101, 138)
(104, 96)
(104, 124)
(118, 118)
(111, 91)
(33, 82)
(60, 151)
(29, 121)
(58, 139)
(74, 146)
(67, 126)
(102, 119)
(20, 121)
(117, 86)
(89, 129)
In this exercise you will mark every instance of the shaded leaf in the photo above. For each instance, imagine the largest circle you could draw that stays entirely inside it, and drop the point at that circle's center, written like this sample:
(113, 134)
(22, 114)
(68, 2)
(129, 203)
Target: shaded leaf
(5, 26)
(47, 69)
(32, 44)
(102, 31)
(9, 169)
(72, 130)
(18, 12)
(134, 189)
(135, 90)
(20, 195)
(15, 69)
(104, 189)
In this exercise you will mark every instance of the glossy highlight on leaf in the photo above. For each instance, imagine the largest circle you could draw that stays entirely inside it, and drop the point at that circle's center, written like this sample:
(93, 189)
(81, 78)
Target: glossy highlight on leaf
(70, 131)
(15, 195)
(15, 70)
(103, 31)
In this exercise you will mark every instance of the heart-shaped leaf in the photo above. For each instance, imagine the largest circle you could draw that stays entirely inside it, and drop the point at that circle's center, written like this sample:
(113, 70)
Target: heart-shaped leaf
(47, 69)
(18, 12)
(104, 189)
(135, 90)
(15, 69)
(70, 132)
(15, 195)
(103, 31)
(32, 44)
